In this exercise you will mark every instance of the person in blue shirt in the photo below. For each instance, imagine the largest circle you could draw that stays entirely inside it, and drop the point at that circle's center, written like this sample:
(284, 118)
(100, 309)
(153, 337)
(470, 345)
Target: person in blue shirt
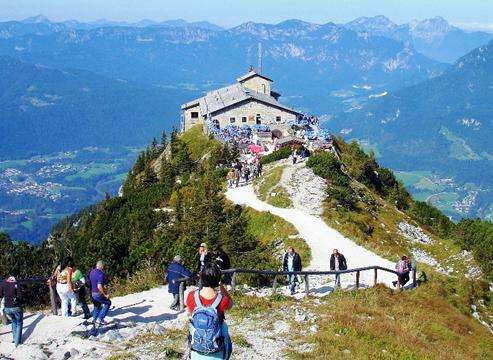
(175, 271)
(99, 294)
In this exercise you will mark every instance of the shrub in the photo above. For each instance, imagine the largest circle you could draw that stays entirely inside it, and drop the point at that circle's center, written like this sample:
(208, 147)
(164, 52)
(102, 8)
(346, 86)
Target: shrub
(325, 165)
(430, 216)
(282, 153)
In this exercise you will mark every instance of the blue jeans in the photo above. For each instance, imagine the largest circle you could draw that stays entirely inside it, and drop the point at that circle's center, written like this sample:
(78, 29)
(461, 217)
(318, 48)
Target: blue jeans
(338, 281)
(101, 307)
(292, 283)
(16, 315)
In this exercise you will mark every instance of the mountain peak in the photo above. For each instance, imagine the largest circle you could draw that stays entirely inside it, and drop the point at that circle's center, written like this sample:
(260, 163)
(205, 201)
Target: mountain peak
(36, 19)
(377, 25)
(430, 28)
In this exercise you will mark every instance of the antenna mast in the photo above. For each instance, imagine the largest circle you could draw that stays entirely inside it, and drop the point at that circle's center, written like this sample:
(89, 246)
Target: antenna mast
(260, 58)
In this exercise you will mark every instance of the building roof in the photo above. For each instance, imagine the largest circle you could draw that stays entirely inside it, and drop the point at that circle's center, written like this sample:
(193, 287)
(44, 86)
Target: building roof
(250, 74)
(230, 95)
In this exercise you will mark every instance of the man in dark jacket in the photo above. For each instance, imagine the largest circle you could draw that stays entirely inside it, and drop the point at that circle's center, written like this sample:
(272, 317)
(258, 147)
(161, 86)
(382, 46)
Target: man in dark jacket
(291, 262)
(224, 263)
(176, 270)
(337, 262)
(10, 291)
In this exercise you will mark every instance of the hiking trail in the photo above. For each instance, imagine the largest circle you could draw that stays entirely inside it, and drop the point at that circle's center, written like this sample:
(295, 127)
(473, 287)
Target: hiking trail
(321, 238)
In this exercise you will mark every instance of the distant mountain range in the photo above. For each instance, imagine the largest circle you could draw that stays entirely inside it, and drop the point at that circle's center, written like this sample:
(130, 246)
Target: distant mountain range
(435, 38)
(44, 110)
(40, 19)
(443, 124)
(307, 61)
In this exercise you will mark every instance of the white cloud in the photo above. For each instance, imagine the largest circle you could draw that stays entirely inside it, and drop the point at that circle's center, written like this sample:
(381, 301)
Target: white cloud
(475, 26)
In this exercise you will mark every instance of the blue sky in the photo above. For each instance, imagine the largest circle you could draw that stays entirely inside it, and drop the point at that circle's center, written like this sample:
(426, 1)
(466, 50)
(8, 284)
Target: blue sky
(472, 13)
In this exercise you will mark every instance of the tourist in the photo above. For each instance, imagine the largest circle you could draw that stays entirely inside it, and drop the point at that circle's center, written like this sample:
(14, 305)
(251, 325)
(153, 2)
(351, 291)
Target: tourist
(175, 271)
(246, 174)
(79, 285)
(64, 286)
(403, 268)
(231, 178)
(294, 157)
(259, 168)
(207, 306)
(224, 263)
(291, 262)
(337, 262)
(99, 294)
(204, 257)
(11, 294)
(237, 177)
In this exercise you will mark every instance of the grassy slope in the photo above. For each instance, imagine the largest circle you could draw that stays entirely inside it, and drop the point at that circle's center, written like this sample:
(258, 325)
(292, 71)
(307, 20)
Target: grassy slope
(379, 323)
(276, 232)
(432, 322)
(198, 143)
(268, 189)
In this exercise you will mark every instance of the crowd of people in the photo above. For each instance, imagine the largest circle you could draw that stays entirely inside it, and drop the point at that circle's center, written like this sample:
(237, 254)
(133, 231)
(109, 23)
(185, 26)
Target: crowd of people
(206, 306)
(241, 173)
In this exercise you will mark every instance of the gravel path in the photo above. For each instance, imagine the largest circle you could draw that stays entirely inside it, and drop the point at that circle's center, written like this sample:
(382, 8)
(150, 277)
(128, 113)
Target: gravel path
(321, 239)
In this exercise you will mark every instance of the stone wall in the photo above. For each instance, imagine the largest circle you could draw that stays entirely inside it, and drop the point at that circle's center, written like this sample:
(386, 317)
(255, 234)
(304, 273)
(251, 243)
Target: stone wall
(188, 120)
(249, 111)
(258, 84)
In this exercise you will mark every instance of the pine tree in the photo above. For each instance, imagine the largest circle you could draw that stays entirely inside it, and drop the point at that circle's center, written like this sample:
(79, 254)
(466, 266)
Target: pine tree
(164, 139)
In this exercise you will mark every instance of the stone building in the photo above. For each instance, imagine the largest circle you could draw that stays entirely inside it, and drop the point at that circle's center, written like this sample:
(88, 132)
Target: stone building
(247, 102)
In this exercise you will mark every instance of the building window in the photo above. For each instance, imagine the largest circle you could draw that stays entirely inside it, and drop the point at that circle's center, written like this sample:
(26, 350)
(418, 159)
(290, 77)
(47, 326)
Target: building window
(258, 119)
(244, 119)
(195, 115)
(232, 120)
(263, 89)
(278, 118)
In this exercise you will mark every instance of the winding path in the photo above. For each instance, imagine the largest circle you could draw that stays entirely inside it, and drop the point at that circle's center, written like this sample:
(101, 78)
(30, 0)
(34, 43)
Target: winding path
(321, 239)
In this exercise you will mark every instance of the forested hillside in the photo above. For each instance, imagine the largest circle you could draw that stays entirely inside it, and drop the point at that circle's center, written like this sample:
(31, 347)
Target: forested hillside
(172, 201)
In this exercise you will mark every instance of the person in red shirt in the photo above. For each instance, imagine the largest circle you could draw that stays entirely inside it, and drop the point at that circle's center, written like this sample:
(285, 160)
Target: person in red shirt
(210, 278)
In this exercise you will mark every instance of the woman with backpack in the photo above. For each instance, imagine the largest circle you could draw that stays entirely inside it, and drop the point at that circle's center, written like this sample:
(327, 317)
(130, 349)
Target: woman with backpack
(403, 268)
(64, 286)
(209, 337)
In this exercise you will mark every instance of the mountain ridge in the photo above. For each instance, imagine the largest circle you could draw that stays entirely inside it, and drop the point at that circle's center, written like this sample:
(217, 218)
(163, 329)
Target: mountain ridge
(43, 108)
(446, 122)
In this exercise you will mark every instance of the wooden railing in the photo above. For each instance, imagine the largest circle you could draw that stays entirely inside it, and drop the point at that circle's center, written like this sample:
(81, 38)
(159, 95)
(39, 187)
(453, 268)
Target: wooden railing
(305, 274)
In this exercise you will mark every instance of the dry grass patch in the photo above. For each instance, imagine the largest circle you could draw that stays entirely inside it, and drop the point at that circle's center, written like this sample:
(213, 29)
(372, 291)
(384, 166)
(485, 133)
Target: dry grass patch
(379, 323)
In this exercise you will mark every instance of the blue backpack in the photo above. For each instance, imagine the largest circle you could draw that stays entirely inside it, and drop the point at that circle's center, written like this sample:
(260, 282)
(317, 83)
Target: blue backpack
(205, 327)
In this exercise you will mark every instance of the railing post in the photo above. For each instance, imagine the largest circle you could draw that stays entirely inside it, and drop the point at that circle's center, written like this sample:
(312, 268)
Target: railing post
(307, 285)
(274, 285)
(182, 295)
(414, 277)
(54, 310)
(357, 279)
(233, 281)
(375, 277)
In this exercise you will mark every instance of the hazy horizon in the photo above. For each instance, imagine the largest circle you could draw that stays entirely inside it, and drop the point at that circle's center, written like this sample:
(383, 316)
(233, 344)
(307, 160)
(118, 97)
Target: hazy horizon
(464, 26)
(473, 15)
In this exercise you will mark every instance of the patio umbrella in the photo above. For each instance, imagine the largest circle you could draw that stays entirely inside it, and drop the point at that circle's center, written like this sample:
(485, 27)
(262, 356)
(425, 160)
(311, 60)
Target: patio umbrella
(255, 149)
